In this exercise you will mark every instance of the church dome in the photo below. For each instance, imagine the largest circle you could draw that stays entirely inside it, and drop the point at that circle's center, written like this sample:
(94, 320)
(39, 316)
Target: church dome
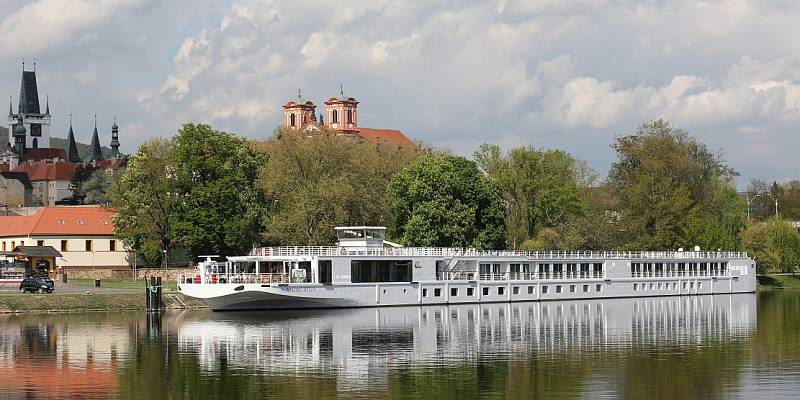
(19, 130)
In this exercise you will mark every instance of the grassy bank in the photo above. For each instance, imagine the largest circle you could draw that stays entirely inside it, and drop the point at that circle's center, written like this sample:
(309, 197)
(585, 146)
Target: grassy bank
(779, 282)
(68, 302)
(114, 283)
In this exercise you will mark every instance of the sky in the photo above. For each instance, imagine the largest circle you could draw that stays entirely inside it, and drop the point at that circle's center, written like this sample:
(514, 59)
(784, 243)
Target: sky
(572, 75)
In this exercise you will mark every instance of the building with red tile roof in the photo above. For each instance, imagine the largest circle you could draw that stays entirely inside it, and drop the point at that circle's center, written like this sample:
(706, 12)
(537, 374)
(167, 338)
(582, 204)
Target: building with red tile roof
(83, 234)
(50, 180)
(342, 114)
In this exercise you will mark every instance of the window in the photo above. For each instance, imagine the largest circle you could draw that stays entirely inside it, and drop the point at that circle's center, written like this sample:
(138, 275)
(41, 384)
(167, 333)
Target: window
(691, 285)
(516, 289)
(291, 119)
(558, 288)
(437, 292)
(63, 245)
(635, 287)
(349, 116)
(501, 290)
(684, 285)
(652, 286)
(674, 285)
(334, 117)
(585, 288)
(424, 292)
(572, 288)
(530, 289)
(659, 286)
(699, 285)
(40, 243)
(325, 271)
(453, 292)
(88, 245)
(470, 291)
(112, 245)
(4, 246)
(544, 289)
(598, 288)
(362, 271)
(486, 291)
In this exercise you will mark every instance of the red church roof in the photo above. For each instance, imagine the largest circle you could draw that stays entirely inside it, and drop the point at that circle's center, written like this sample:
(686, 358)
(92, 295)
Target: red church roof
(391, 136)
(60, 220)
(42, 153)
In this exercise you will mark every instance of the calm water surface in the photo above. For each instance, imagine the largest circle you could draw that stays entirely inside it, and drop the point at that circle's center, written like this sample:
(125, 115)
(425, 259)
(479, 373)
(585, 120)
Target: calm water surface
(739, 346)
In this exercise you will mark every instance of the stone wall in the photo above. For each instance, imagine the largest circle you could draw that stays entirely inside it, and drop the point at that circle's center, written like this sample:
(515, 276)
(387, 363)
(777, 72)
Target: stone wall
(169, 274)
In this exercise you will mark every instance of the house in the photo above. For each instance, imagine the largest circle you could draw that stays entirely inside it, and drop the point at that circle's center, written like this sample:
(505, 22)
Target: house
(50, 180)
(84, 235)
(16, 189)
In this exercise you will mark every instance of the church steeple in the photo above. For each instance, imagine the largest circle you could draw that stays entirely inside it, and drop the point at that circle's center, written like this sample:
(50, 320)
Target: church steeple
(97, 154)
(115, 140)
(72, 147)
(29, 94)
(19, 137)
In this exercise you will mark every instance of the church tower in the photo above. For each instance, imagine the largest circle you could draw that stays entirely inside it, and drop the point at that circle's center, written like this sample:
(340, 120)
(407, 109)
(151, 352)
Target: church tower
(72, 147)
(342, 113)
(37, 124)
(19, 137)
(96, 154)
(115, 140)
(299, 113)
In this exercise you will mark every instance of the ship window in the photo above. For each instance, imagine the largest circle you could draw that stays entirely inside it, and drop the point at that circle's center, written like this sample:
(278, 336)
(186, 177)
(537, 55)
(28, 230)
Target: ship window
(501, 290)
(572, 288)
(544, 289)
(486, 291)
(470, 291)
(585, 288)
(363, 271)
(530, 289)
(454, 292)
(635, 287)
(699, 285)
(424, 292)
(598, 288)
(437, 292)
(684, 285)
(558, 288)
(659, 286)
(325, 271)
(516, 289)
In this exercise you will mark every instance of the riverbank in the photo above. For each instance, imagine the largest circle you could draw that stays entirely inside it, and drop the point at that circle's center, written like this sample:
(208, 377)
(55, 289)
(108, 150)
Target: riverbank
(81, 302)
(768, 282)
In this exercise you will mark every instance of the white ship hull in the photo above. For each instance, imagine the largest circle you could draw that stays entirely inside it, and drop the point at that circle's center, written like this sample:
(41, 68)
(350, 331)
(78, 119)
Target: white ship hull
(294, 296)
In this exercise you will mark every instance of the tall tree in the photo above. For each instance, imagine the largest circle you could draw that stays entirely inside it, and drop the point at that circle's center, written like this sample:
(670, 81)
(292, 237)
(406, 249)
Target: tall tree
(146, 200)
(215, 174)
(775, 245)
(542, 189)
(673, 192)
(318, 181)
(447, 201)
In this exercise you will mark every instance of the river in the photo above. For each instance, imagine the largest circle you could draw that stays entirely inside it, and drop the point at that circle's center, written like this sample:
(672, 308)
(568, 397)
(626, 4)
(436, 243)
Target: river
(724, 346)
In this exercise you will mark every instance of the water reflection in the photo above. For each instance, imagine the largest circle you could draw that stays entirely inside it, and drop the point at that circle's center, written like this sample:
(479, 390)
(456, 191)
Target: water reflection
(672, 347)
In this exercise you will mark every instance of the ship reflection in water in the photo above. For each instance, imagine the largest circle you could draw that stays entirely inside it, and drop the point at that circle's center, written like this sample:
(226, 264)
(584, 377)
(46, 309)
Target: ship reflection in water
(361, 346)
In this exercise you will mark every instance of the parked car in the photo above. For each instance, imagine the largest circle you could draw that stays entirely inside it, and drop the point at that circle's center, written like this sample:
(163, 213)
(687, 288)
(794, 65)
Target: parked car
(36, 284)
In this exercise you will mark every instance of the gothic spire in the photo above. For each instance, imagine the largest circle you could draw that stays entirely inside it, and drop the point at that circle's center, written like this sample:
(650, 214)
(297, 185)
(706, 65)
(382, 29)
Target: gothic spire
(72, 147)
(29, 94)
(97, 154)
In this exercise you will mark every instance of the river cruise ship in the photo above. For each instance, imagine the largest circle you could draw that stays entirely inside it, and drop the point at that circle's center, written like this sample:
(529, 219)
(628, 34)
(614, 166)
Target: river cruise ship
(365, 270)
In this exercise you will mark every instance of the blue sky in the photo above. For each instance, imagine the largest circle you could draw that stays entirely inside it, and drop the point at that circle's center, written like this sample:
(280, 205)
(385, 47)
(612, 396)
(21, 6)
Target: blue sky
(454, 74)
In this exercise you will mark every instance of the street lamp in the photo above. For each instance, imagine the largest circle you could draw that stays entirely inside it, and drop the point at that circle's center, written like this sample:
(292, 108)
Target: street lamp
(165, 259)
(776, 203)
(750, 200)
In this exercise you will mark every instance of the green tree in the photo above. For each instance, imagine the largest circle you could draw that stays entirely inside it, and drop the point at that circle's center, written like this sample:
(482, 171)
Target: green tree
(316, 182)
(775, 245)
(146, 200)
(446, 201)
(544, 191)
(673, 192)
(80, 175)
(215, 175)
(94, 190)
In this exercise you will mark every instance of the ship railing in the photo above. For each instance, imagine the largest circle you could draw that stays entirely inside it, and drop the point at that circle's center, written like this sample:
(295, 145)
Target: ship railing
(679, 274)
(251, 278)
(329, 251)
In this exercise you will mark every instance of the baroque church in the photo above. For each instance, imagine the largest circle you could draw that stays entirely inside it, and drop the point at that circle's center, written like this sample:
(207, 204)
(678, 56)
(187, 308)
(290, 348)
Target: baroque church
(341, 113)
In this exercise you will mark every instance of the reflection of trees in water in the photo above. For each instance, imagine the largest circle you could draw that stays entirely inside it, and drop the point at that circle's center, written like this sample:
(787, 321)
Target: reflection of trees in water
(777, 341)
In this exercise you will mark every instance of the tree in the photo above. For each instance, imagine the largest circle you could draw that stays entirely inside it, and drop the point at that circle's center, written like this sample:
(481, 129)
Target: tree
(318, 181)
(673, 192)
(775, 245)
(215, 174)
(446, 201)
(95, 189)
(542, 189)
(146, 200)
(80, 175)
